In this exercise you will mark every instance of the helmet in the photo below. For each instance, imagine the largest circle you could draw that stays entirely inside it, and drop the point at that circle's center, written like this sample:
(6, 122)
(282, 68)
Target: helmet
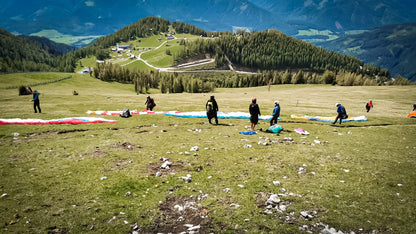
(254, 100)
(337, 104)
(276, 102)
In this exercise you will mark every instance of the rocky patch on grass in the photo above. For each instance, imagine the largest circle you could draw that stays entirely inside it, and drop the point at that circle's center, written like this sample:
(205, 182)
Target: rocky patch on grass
(98, 153)
(165, 167)
(268, 141)
(180, 215)
(126, 146)
(274, 204)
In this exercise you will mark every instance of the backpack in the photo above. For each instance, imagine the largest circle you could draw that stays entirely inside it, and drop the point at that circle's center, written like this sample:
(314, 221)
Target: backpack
(344, 113)
(210, 107)
(125, 113)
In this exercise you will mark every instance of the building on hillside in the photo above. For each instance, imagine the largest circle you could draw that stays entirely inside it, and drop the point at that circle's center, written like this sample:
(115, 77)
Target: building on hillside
(169, 37)
(123, 47)
(86, 70)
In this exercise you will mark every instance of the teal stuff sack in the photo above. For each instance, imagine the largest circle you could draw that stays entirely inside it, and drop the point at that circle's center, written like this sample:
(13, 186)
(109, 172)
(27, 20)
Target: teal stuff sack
(275, 128)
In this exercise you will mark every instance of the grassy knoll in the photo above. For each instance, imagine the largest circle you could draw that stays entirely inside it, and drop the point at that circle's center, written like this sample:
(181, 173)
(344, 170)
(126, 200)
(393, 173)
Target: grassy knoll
(360, 178)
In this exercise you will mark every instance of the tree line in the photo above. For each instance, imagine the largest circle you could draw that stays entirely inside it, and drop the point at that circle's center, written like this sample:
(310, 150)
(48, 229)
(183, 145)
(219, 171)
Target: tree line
(145, 80)
(207, 82)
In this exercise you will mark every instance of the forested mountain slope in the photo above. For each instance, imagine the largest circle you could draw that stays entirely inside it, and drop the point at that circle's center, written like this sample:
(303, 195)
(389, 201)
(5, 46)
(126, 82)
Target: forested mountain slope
(30, 53)
(392, 47)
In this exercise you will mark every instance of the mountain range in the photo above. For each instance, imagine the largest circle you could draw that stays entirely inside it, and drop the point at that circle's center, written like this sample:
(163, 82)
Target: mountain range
(93, 17)
(316, 21)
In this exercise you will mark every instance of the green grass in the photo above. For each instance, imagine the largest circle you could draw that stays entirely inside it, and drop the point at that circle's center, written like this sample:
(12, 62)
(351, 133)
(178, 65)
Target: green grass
(315, 32)
(53, 179)
(90, 61)
(139, 65)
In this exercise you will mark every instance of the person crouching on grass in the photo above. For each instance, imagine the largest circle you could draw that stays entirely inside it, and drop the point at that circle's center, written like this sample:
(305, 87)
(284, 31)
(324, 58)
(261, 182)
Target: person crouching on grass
(342, 113)
(369, 105)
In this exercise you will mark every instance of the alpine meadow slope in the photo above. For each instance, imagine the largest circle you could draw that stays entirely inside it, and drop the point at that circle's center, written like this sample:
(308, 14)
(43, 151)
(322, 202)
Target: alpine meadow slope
(108, 178)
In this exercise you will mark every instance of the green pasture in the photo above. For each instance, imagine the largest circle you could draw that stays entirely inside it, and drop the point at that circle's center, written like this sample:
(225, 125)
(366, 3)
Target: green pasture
(359, 178)
(90, 61)
(139, 65)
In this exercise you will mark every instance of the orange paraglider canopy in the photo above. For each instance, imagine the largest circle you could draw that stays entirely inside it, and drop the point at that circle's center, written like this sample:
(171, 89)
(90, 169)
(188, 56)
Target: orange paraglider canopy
(412, 114)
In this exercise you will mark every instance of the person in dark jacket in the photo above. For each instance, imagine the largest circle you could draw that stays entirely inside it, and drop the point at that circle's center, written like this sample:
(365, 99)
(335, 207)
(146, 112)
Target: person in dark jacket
(369, 105)
(254, 113)
(36, 102)
(212, 109)
(342, 113)
(276, 113)
(150, 103)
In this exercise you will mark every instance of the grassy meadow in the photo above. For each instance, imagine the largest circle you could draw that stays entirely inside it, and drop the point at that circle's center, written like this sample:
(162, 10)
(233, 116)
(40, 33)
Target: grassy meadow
(355, 177)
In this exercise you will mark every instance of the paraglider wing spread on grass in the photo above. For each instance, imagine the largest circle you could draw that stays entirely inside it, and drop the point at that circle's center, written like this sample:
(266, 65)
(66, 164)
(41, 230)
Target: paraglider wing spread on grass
(412, 114)
(73, 120)
(328, 119)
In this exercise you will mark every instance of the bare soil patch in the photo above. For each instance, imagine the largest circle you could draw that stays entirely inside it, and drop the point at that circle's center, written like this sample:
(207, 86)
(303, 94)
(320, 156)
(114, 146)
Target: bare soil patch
(98, 153)
(181, 214)
(55, 132)
(126, 146)
(155, 169)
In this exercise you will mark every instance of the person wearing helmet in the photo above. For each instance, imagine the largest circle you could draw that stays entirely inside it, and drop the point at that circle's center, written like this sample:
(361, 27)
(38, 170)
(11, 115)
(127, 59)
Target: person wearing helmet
(276, 113)
(254, 113)
(212, 108)
(369, 105)
(342, 113)
(150, 103)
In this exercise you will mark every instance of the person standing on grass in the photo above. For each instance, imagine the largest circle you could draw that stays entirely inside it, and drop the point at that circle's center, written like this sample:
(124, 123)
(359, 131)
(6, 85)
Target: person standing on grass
(342, 113)
(276, 113)
(369, 105)
(36, 102)
(254, 113)
(150, 103)
(212, 109)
